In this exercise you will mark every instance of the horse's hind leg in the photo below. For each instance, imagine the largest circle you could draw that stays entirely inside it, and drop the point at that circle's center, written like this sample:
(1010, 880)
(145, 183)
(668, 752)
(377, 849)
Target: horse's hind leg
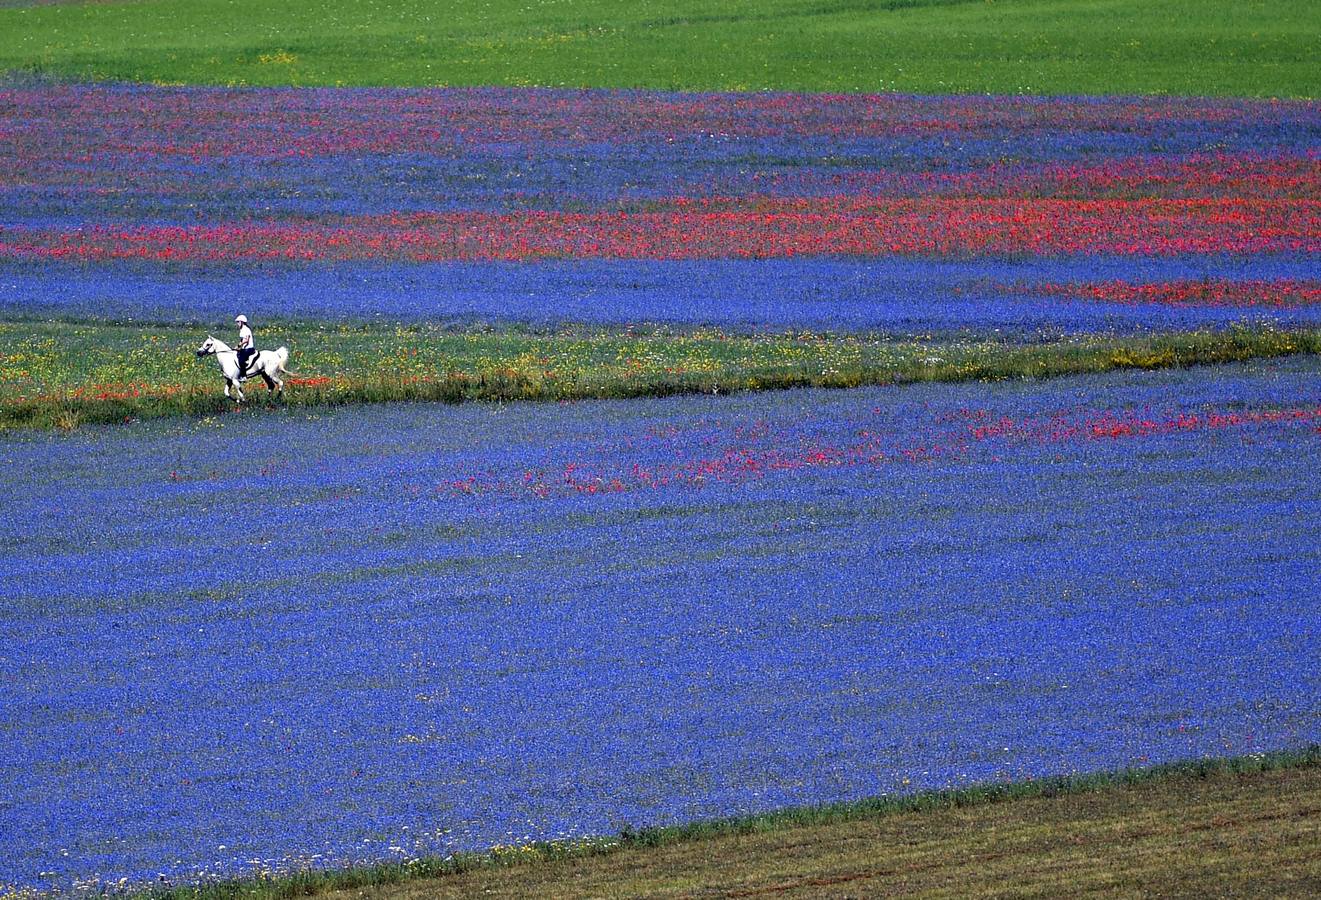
(270, 382)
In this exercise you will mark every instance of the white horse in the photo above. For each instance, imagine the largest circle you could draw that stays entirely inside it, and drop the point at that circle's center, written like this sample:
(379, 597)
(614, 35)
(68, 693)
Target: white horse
(269, 364)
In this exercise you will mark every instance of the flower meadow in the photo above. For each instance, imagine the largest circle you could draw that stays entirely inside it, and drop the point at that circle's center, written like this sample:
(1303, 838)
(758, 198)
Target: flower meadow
(384, 632)
(750, 210)
(314, 636)
(900, 296)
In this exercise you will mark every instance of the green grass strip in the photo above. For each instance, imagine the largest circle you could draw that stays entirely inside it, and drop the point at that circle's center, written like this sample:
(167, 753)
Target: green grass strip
(63, 375)
(312, 882)
(1257, 48)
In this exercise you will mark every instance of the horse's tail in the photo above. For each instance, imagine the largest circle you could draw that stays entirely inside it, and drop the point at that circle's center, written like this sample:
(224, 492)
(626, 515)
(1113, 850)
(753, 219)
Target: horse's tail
(282, 357)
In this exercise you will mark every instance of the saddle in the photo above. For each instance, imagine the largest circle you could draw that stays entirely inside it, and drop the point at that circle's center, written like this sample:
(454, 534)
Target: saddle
(246, 362)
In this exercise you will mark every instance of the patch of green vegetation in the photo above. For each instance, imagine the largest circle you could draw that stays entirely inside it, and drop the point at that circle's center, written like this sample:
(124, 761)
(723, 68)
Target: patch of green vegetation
(61, 374)
(1243, 825)
(1186, 47)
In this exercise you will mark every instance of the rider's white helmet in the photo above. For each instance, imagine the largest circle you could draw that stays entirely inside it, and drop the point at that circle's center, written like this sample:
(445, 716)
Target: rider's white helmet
(241, 319)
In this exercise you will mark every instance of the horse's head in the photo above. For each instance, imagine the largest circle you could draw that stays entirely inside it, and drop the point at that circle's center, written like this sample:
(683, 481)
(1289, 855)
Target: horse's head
(208, 347)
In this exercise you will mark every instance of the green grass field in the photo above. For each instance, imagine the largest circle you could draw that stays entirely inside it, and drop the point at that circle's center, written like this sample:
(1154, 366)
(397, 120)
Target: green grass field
(1259, 48)
(61, 374)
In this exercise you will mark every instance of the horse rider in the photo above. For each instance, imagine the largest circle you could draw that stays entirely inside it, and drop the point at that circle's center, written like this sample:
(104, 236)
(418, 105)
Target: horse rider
(246, 346)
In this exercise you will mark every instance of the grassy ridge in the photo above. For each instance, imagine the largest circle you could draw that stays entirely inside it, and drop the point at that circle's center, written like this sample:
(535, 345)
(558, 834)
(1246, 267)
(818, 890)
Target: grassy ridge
(56, 374)
(1189, 47)
(1223, 826)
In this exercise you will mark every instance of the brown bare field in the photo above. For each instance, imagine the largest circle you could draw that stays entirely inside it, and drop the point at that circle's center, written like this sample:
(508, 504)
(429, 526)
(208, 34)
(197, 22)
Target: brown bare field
(1255, 834)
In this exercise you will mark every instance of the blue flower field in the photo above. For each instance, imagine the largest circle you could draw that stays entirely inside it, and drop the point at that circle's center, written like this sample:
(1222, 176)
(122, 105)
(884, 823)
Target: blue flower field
(900, 296)
(236, 646)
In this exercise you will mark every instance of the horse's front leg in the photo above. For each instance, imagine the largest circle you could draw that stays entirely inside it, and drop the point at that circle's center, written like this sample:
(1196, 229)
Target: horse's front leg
(238, 391)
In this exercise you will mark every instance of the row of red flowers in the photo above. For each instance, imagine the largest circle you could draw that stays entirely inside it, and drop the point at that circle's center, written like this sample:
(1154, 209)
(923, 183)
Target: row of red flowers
(754, 461)
(1283, 292)
(694, 230)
